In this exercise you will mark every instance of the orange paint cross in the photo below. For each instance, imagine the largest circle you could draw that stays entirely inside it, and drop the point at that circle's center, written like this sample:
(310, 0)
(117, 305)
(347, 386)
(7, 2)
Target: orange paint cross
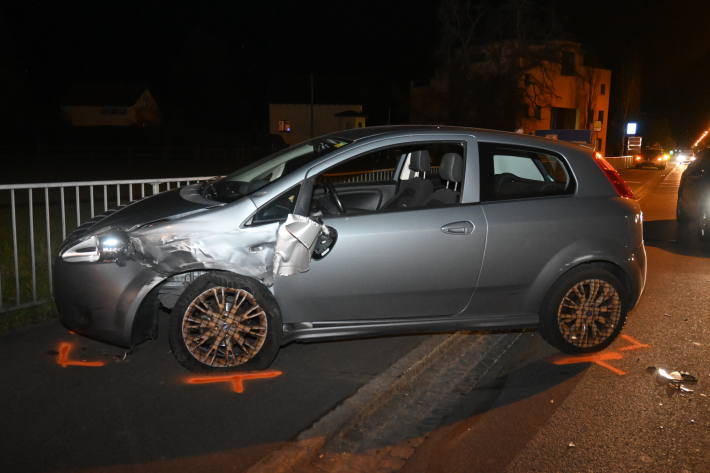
(597, 358)
(237, 380)
(602, 357)
(64, 361)
(635, 344)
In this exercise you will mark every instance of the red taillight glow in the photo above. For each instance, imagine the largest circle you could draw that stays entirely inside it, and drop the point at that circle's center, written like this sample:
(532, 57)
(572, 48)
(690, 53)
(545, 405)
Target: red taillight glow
(621, 187)
(637, 158)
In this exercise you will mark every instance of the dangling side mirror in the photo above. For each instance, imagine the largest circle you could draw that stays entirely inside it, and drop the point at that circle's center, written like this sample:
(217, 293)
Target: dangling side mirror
(325, 243)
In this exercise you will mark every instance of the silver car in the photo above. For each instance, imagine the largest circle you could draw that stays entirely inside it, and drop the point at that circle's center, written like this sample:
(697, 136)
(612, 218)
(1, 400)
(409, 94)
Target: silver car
(363, 232)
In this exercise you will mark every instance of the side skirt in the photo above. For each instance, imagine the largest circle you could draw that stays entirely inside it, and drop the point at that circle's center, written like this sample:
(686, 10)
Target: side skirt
(333, 330)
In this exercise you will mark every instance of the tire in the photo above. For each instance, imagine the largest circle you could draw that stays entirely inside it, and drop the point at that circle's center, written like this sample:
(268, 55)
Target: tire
(210, 333)
(683, 225)
(571, 313)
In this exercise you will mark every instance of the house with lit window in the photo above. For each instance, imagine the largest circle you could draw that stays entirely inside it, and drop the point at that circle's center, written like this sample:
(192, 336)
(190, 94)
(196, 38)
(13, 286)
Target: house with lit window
(564, 98)
(299, 122)
(110, 106)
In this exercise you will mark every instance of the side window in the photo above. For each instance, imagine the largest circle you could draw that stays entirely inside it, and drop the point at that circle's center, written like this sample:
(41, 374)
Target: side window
(278, 209)
(375, 167)
(407, 176)
(510, 172)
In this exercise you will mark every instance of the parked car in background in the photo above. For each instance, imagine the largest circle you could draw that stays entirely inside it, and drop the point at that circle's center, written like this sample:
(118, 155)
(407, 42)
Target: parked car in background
(652, 156)
(693, 208)
(365, 232)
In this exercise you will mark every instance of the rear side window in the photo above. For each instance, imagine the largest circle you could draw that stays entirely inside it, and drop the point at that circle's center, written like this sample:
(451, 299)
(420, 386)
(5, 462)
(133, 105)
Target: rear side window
(511, 172)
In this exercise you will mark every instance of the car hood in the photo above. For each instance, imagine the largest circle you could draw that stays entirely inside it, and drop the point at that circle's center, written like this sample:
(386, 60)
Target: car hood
(162, 206)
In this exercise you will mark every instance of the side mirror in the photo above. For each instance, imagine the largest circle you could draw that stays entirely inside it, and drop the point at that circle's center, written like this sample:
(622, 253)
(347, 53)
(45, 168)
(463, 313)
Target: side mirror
(325, 243)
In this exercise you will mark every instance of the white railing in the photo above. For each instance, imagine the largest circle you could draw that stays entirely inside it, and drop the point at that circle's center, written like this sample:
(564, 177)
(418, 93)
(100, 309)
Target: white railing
(31, 216)
(620, 162)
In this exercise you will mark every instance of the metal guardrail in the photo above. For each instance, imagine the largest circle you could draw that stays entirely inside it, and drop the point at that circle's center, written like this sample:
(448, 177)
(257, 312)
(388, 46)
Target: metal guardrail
(28, 242)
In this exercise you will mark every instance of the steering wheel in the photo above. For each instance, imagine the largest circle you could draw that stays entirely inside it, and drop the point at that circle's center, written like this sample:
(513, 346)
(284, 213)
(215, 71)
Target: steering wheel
(330, 189)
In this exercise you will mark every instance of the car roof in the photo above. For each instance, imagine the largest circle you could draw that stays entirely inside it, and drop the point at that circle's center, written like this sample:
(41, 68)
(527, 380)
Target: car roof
(482, 134)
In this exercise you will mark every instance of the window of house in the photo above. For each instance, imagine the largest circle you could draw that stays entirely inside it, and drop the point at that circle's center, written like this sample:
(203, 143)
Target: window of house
(603, 89)
(509, 172)
(568, 63)
(113, 111)
(538, 112)
(284, 126)
(563, 118)
(600, 116)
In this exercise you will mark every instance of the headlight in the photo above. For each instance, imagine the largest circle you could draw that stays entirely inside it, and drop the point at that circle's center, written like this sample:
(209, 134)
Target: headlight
(103, 248)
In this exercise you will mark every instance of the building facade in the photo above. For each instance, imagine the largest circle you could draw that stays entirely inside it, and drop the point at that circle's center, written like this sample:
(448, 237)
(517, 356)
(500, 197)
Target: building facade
(559, 95)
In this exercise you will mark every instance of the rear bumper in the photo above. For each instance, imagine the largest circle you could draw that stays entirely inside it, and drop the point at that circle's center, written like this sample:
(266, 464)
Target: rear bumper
(636, 269)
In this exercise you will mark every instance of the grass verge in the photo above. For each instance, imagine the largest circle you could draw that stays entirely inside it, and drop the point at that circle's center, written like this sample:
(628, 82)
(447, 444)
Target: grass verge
(27, 316)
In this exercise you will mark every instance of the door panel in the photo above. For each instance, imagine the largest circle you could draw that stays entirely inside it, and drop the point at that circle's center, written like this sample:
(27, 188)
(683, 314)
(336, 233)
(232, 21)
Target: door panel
(390, 264)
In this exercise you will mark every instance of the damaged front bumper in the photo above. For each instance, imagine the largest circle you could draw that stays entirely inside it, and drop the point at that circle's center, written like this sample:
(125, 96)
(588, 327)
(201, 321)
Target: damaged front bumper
(102, 300)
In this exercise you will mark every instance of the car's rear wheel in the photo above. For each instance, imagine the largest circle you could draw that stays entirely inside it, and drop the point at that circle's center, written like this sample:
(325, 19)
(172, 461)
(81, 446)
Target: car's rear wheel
(225, 323)
(584, 311)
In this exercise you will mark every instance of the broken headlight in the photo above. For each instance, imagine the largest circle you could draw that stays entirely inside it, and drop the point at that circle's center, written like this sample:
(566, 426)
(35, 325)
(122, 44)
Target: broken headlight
(102, 248)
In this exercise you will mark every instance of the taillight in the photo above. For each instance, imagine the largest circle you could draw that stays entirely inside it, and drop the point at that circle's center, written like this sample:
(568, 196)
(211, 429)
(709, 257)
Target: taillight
(621, 187)
(637, 158)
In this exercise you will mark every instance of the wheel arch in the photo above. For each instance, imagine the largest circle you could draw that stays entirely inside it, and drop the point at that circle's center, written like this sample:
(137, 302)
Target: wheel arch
(162, 298)
(560, 266)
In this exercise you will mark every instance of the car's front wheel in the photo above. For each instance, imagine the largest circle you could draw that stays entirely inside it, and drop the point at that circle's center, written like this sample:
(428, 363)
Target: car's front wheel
(584, 311)
(225, 322)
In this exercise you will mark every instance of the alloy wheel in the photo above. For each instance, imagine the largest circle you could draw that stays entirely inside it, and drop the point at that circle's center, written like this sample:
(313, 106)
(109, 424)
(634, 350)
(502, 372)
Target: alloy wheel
(224, 327)
(589, 313)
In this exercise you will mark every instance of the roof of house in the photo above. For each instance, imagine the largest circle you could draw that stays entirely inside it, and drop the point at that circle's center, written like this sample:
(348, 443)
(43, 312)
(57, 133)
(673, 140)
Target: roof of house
(119, 95)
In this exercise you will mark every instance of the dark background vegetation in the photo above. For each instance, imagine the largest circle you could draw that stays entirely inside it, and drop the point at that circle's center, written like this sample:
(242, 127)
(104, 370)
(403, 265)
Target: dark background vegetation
(213, 67)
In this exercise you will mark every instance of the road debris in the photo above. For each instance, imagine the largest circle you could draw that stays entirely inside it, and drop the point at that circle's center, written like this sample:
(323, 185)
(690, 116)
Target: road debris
(571, 445)
(674, 380)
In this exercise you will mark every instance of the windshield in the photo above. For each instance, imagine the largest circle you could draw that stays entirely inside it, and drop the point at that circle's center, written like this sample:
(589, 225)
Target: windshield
(256, 175)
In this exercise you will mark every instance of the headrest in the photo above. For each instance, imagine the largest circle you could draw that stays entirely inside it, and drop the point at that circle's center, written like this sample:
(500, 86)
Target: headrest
(451, 168)
(420, 161)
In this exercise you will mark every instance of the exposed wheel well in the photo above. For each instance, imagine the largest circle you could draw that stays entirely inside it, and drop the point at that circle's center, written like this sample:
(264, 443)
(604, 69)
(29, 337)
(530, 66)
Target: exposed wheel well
(161, 298)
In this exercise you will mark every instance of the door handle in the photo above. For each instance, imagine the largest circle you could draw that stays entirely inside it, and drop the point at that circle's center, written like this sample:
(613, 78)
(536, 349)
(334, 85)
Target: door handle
(458, 228)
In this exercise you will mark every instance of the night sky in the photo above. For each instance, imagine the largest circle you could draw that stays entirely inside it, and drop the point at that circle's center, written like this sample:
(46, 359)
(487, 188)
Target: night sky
(206, 59)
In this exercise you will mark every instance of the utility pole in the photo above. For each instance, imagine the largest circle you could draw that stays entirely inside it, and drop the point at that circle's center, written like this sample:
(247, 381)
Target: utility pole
(312, 100)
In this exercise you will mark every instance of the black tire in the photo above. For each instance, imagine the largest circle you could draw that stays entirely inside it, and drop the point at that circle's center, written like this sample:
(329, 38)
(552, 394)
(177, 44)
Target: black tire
(212, 330)
(683, 230)
(574, 309)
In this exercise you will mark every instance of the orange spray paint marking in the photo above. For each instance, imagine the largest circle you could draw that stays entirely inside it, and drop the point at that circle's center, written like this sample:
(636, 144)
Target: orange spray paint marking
(64, 361)
(236, 380)
(602, 358)
(597, 358)
(635, 344)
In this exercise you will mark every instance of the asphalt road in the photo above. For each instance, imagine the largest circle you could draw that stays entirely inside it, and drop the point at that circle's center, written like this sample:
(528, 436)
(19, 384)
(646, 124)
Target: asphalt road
(140, 414)
(516, 411)
(532, 415)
